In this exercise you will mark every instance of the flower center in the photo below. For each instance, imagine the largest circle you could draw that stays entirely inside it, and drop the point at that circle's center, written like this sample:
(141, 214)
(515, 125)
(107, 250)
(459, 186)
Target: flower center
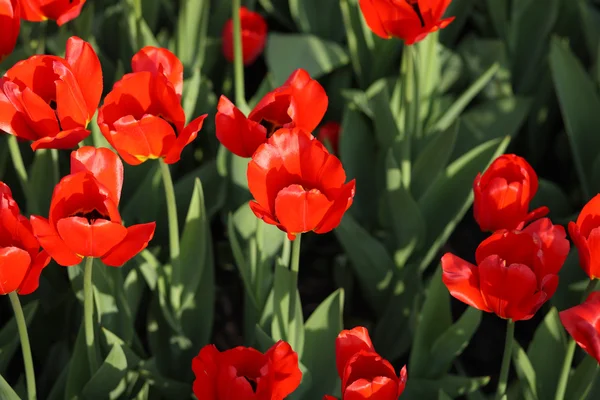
(91, 216)
(252, 383)
(270, 126)
(170, 123)
(415, 5)
(54, 106)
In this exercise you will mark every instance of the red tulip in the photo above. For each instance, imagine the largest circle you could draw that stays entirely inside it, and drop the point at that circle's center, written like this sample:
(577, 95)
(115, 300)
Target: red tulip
(583, 324)
(21, 261)
(160, 61)
(50, 100)
(300, 103)
(61, 11)
(516, 271)
(84, 219)
(142, 117)
(586, 237)
(364, 373)
(246, 373)
(254, 36)
(503, 194)
(409, 20)
(330, 132)
(297, 185)
(10, 24)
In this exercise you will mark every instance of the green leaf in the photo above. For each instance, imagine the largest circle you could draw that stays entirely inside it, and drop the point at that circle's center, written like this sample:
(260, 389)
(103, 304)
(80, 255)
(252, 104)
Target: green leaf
(454, 386)
(579, 102)
(285, 325)
(525, 371)
(434, 319)
(551, 195)
(451, 343)
(315, 16)
(461, 9)
(360, 43)
(191, 93)
(191, 28)
(549, 335)
(450, 196)
(171, 389)
(6, 392)
(387, 128)
(9, 336)
(79, 368)
(105, 382)
(590, 18)
(287, 52)
(321, 330)
(42, 180)
(372, 264)
(580, 383)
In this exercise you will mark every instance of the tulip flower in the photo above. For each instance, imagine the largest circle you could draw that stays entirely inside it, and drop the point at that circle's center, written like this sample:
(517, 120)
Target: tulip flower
(503, 193)
(21, 261)
(586, 237)
(142, 117)
(301, 102)
(61, 11)
(516, 271)
(297, 184)
(10, 24)
(246, 373)
(330, 132)
(254, 36)
(50, 100)
(84, 219)
(583, 324)
(409, 20)
(364, 373)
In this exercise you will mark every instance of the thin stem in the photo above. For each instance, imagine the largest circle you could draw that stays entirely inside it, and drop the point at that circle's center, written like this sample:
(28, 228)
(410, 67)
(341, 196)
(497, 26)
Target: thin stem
(17, 161)
(25, 347)
(565, 371)
(508, 344)
(88, 314)
(295, 268)
(238, 57)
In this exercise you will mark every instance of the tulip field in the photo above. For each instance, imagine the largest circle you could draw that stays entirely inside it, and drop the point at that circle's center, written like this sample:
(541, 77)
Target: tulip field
(299, 199)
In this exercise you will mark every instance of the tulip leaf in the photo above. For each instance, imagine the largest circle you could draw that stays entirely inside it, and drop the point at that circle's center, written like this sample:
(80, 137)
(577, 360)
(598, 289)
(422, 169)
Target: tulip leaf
(79, 367)
(453, 385)
(278, 9)
(452, 342)
(105, 382)
(9, 336)
(549, 335)
(360, 43)
(43, 175)
(549, 194)
(525, 371)
(287, 52)
(580, 383)
(191, 94)
(387, 128)
(191, 31)
(461, 9)
(169, 388)
(315, 16)
(590, 18)
(7, 392)
(372, 263)
(579, 101)
(321, 330)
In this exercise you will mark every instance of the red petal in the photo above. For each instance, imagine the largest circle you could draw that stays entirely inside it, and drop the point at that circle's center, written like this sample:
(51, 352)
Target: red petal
(300, 210)
(129, 96)
(593, 244)
(264, 214)
(160, 61)
(378, 388)
(30, 11)
(12, 121)
(86, 68)
(53, 244)
(371, 14)
(582, 248)
(462, 280)
(104, 164)
(238, 134)
(308, 102)
(39, 116)
(189, 134)
(589, 217)
(71, 13)
(71, 107)
(583, 322)
(554, 244)
(32, 279)
(10, 24)
(14, 263)
(90, 239)
(365, 367)
(206, 368)
(515, 247)
(284, 367)
(349, 343)
(136, 240)
(342, 202)
(64, 140)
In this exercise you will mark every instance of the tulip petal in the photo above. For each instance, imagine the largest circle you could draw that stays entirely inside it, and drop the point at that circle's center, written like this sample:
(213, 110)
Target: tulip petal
(90, 239)
(11, 120)
(30, 11)
(32, 278)
(554, 244)
(583, 322)
(71, 108)
(462, 280)
(159, 61)
(237, 133)
(287, 375)
(136, 240)
(206, 368)
(14, 263)
(582, 248)
(348, 344)
(341, 204)
(309, 101)
(64, 140)
(189, 134)
(40, 117)
(593, 244)
(364, 367)
(379, 388)
(589, 217)
(144, 139)
(515, 247)
(300, 210)
(104, 164)
(71, 13)
(52, 243)
(369, 11)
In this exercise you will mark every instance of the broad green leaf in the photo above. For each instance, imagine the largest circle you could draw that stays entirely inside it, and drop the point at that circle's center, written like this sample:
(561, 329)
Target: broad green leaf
(525, 371)
(443, 396)
(434, 319)
(191, 28)
(79, 368)
(6, 392)
(288, 323)
(497, 12)
(372, 264)
(580, 383)
(105, 382)
(9, 336)
(279, 9)
(551, 195)
(315, 16)
(241, 262)
(389, 132)
(43, 175)
(169, 388)
(451, 343)
(360, 42)
(590, 18)
(321, 330)
(450, 196)
(461, 10)
(453, 385)
(191, 93)
(287, 52)
(579, 101)
(549, 335)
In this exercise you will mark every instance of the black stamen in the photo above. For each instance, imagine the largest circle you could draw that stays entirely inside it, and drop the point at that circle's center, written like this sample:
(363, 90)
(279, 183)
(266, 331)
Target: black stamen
(253, 384)
(91, 216)
(270, 126)
(170, 123)
(415, 7)
(54, 107)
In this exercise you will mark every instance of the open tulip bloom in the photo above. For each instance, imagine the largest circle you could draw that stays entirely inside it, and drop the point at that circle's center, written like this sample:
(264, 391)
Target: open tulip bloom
(583, 324)
(50, 100)
(254, 36)
(60, 11)
(585, 233)
(10, 25)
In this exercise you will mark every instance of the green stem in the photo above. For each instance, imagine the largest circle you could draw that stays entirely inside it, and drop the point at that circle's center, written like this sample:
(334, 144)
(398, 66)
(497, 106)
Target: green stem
(508, 344)
(171, 213)
(88, 314)
(55, 165)
(17, 161)
(295, 268)
(565, 371)
(238, 57)
(261, 265)
(25, 346)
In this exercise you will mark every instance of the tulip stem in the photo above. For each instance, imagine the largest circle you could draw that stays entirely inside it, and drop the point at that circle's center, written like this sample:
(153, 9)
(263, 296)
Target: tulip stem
(88, 314)
(508, 345)
(565, 371)
(172, 215)
(17, 161)
(238, 57)
(295, 268)
(25, 346)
